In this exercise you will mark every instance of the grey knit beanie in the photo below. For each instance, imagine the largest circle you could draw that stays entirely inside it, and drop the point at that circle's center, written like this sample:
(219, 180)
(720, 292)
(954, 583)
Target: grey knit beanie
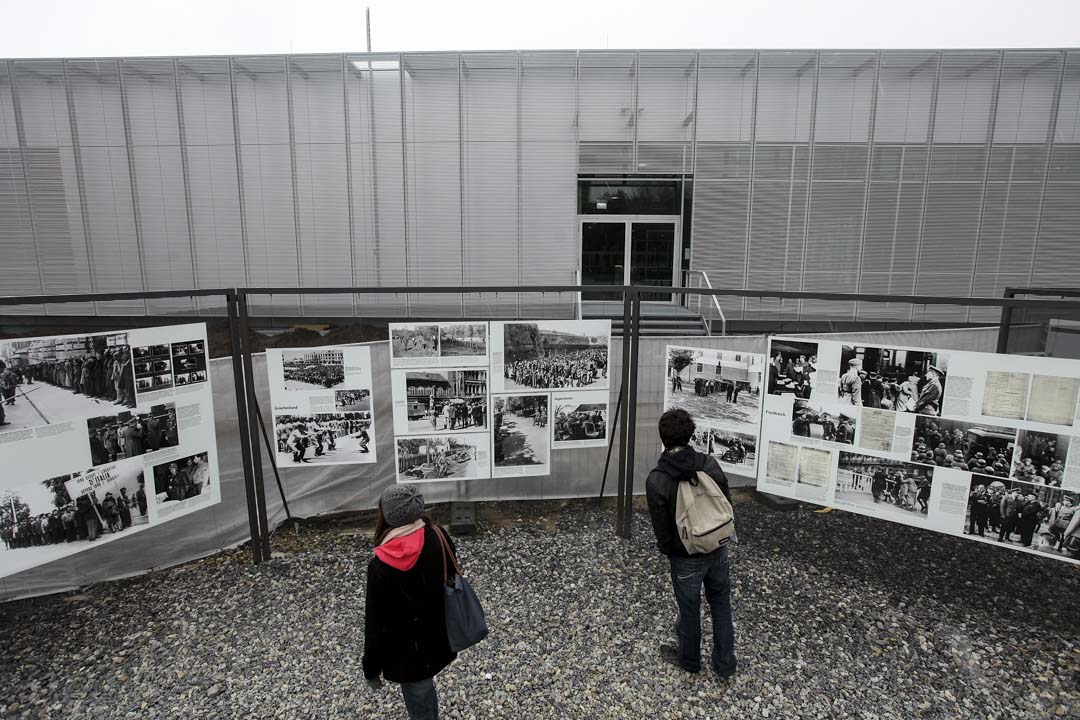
(401, 505)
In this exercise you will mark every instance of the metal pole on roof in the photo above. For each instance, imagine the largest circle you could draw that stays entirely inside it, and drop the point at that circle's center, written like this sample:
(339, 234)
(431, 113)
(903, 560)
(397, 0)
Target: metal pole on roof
(367, 23)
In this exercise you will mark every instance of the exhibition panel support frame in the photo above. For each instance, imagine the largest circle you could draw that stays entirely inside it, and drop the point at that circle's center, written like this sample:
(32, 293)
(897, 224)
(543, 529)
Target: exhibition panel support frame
(239, 324)
(1007, 311)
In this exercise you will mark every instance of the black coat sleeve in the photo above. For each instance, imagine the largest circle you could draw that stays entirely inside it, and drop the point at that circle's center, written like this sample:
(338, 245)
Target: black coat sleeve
(373, 665)
(661, 512)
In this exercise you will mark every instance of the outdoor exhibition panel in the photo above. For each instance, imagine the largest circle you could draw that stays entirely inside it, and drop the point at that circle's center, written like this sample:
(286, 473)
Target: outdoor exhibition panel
(321, 400)
(975, 444)
(104, 436)
(721, 389)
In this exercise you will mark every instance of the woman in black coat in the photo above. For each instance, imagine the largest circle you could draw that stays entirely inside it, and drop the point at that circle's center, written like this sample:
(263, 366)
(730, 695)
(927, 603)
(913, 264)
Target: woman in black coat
(405, 623)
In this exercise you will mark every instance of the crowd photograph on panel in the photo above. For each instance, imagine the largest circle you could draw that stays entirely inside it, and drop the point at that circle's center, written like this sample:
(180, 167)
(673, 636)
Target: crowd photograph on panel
(1040, 458)
(831, 422)
(446, 400)
(51, 518)
(465, 339)
(347, 400)
(48, 380)
(132, 433)
(181, 479)
(323, 438)
(414, 341)
(545, 356)
(1023, 514)
(888, 486)
(792, 367)
(321, 369)
(910, 381)
(715, 386)
(981, 448)
(520, 426)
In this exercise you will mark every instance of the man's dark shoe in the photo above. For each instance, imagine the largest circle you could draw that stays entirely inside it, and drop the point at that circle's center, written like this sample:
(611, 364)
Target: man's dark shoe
(670, 655)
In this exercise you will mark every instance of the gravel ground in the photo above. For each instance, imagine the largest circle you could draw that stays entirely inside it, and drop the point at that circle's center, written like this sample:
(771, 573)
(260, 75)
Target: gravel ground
(836, 616)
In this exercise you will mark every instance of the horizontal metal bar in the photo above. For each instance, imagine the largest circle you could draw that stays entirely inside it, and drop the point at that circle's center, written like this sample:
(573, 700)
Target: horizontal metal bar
(1064, 292)
(440, 289)
(102, 297)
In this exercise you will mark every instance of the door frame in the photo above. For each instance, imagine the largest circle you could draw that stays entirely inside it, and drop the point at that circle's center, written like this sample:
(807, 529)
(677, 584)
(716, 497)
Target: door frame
(628, 224)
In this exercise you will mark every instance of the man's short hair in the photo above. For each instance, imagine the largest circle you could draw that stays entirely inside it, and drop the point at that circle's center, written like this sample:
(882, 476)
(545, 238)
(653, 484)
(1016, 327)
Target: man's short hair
(676, 428)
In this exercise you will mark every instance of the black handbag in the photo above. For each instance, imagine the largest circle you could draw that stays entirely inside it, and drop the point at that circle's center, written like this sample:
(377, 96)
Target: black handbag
(465, 622)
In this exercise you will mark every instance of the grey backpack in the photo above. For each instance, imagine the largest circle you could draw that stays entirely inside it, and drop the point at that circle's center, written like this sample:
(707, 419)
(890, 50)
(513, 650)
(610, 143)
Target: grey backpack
(703, 516)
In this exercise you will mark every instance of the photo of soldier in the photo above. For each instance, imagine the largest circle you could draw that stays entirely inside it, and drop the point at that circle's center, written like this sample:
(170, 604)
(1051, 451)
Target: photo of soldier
(323, 438)
(828, 422)
(131, 434)
(182, 479)
(978, 447)
(892, 379)
(792, 365)
(891, 488)
(1024, 515)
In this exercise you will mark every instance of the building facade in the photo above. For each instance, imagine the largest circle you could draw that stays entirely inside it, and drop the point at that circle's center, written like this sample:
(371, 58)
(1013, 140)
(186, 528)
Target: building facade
(893, 172)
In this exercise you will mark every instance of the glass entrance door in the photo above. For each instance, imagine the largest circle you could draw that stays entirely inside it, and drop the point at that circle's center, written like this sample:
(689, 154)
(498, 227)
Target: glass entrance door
(629, 251)
(652, 257)
(603, 257)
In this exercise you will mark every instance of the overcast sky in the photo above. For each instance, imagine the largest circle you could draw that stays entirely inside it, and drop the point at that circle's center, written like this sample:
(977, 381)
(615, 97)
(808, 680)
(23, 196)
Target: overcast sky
(82, 28)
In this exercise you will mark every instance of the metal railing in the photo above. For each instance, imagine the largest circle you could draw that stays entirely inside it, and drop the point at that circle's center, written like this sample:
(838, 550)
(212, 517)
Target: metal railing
(698, 279)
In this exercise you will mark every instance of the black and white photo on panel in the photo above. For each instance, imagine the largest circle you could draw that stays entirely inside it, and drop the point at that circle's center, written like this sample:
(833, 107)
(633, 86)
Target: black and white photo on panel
(463, 339)
(312, 369)
(550, 355)
(181, 479)
(446, 400)
(442, 457)
(831, 422)
(892, 488)
(579, 418)
(791, 367)
(715, 386)
(911, 381)
(727, 446)
(45, 519)
(348, 400)
(1024, 515)
(323, 438)
(414, 341)
(131, 433)
(520, 427)
(44, 381)
(1040, 458)
(978, 447)
(189, 362)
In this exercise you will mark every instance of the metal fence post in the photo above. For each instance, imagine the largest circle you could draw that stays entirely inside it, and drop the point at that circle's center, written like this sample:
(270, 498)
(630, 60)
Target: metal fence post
(631, 407)
(1006, 323)
(242, 422)
(623, 436)
(253, 421)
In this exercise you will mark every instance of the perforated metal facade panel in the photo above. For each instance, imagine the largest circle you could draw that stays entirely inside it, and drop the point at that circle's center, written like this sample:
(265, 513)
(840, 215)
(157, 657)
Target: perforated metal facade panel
(953, 172)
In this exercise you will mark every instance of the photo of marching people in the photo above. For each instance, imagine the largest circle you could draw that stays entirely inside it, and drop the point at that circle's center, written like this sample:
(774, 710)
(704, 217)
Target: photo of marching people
(522, 439)
(1025, 515)
(414, 341)
(715, 386)
(828, 422)
(153, 368)
(986, 449)
(189, 362)
(323, 439)
(446, 457)
(575, 421)
(446, 400)
(888, 487)
(320, 369)
(791, 368)
(132, 433)
(182, 479)
(42, 520)
(1041, 458)
(556, 354)
(468, 339)
(347, 400)
(911, 381)
(44, 381)
(727, 446)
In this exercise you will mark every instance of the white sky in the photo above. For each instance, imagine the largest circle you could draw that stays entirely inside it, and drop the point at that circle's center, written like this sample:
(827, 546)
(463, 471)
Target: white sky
(84, 28)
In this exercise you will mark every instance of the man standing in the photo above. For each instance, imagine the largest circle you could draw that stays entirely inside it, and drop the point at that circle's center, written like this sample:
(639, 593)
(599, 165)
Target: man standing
(133, 439)
(877, 486)
(679, 463)
(929, 402)
(851, 383)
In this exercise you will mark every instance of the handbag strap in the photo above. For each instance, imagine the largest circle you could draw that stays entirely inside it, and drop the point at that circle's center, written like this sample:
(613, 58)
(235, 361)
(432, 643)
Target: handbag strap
(446, 551)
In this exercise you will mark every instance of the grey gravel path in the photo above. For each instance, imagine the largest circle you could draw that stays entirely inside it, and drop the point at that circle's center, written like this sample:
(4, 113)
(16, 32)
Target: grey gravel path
(836, 616)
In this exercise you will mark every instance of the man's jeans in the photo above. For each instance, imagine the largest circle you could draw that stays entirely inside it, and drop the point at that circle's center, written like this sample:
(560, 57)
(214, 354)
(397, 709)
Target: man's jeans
(688, 574)
(421, 700)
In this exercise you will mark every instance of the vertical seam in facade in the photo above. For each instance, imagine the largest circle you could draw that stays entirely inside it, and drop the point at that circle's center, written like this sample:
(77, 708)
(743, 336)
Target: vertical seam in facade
(20, 132)
(79, 179)
(684, 278)
(184, 168)
(869, 168)
(461, 180)
(130, 152)
(809, 175)
(239, 171)
(349, 179)
(988, 143)
(931, 123)
(404, 180)
(517, 205)
(373, 166)
(1055, 108)
(292, 178)
(750, 184)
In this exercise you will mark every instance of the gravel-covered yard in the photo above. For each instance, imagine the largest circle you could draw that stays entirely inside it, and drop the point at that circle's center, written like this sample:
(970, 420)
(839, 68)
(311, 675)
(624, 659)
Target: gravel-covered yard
(836, 616)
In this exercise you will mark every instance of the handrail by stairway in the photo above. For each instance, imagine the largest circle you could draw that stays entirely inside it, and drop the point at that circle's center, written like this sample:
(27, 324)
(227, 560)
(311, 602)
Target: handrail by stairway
(715, 302)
